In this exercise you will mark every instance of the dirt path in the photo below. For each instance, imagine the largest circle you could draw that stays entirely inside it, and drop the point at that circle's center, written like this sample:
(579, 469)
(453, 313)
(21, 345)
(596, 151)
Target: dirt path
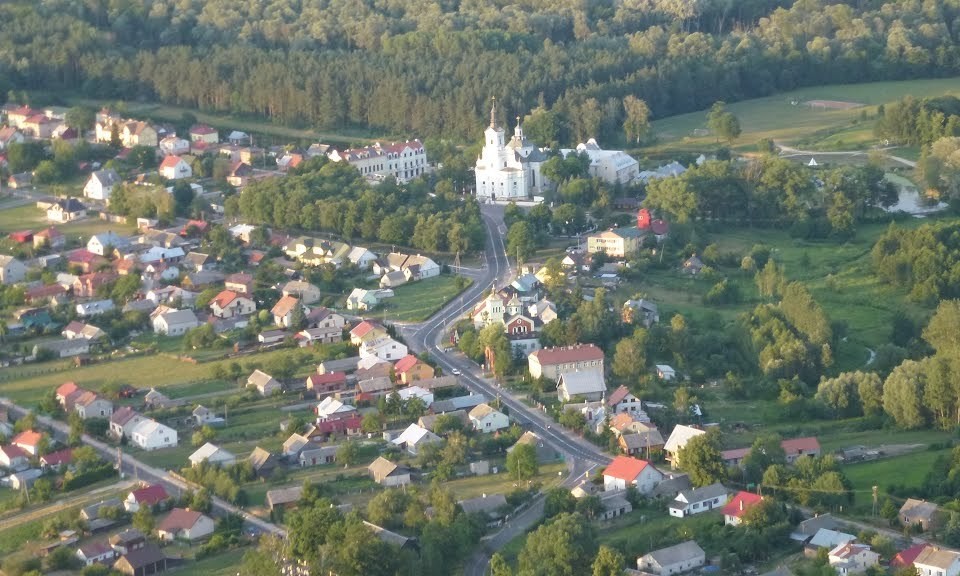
(64, 504)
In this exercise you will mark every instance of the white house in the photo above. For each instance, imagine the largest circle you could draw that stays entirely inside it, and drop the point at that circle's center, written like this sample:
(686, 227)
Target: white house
(628, 471)
(678, 439)
(173, 146)
(100, 185)
(175, 322)
(151, 435)
(936, 561)
(66, 210)
(666, 372)
(385, 348)
(100, 244)
(611, 166)
(12, 270)
(228, 304)
(212, 454)
(682, 557)
(695, 501)
(265, 384)
(621, 401)
(416, 392)
(175, 168)
(93, 552)
(332, 409)
(850, 558)
(487, 419)
(414, 437)
(587, 384)
(361, 257)
(183, 524)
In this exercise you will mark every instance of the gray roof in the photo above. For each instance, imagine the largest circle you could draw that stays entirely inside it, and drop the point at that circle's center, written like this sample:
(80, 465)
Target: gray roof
(92, 511)
(179, 317)
(678, 553)
(458, 403)
(825, 538)
(615, 502)
(680, 436)
(672, 486)
(284, 495)
(810, 526)
(342, 365)
(107, 177)
(388, 536)
(710, 492)
(918, 510)
(583, 382)
(484, 504)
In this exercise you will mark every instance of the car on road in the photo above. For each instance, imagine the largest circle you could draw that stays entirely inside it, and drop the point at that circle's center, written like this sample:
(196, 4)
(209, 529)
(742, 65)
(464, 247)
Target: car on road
(456, 372)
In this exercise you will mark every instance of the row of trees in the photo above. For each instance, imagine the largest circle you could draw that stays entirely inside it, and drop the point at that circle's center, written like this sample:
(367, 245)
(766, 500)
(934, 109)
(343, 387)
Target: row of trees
(919, 122)
(923, 260)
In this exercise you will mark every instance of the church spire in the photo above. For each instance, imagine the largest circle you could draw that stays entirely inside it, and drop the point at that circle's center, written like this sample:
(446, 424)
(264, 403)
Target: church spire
(518, 131)
(493, 112)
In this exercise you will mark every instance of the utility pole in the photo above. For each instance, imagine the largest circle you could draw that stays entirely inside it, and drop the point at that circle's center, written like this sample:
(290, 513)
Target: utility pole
(874, 500)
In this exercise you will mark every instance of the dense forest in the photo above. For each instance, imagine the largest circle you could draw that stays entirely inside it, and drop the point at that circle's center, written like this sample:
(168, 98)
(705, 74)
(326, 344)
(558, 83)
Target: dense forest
(430, 66)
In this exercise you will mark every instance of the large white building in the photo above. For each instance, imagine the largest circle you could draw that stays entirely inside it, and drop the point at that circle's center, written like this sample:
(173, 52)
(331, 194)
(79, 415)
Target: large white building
(508, 170)
(609, 165)
(404, 161)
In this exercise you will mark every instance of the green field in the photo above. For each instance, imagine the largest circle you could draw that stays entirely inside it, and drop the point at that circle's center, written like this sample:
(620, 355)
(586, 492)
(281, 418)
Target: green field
(776, 118)
(417, 301)
(29, 217)
(226, 564)
(908, 470)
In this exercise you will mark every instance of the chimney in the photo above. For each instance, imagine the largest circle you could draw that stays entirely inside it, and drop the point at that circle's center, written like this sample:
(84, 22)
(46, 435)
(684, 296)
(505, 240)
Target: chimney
(741, 505)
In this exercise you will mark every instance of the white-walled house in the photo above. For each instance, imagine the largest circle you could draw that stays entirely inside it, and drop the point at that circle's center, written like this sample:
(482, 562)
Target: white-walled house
(487, 419)
(695, 501)
(175, 168)
(100, 184)
(386, 349)
(12, 270)
(628, 471)
(682, 557)
(151, 435)
(175, 322)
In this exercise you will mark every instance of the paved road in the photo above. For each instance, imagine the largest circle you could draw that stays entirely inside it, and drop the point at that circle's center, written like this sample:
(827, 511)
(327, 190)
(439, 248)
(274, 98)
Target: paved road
(133, 467)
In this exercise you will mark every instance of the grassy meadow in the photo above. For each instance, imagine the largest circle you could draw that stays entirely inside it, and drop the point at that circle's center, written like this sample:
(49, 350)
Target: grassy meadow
(417, 301)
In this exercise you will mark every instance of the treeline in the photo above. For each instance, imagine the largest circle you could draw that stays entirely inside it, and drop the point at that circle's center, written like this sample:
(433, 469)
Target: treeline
(919, 122)
(773, 190)
(429, 67)
(324, 196)
(924, 260)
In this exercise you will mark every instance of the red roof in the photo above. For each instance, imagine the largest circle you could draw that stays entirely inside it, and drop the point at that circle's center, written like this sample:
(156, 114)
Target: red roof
(45, 291)
(405, 363)
(83, 255)
(22, 236)
(49, 233)
(735, 454)
(906, 557)
(796, 446)
(202, 129)
(170, 162)
(150, 495)
(565, 354)
(363, 328)
(340, 425)
(27, 438)
(331, 378)
(67, 388)
(224, 298)
(13, 452)
(57, 458)
(741, 503)
(659, 227)
(179, 519)
(625, 468)
(284, 306)
(617, 396)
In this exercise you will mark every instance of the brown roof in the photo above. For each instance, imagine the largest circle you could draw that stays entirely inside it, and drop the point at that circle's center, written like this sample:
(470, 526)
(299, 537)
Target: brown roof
(617, 395)
(565, 354)
(123, 415)
(284, 306)
(179, 519)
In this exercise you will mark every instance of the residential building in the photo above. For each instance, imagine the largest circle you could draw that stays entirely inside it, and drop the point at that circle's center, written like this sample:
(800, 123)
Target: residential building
(64, 348)
(404, 161)
(332, 409)
(12, 271)
(676, 559)
(123, 421)
(97, 552)
(151, 495)
(104, 243)
(666, 372)
(920, 513)
(173, 146)
(175, 168)
(241, 283)
(628, 471)
(76, 329)
(551, 362)
(184, 524)
(85, 309)
(142, 561)
(616, 242)
(137, 133)
(326, 384)
(906, 557)
(852, 558)
(366, 331)
(586, 384)
(936, 561)
(284, 498)
(508, 171)
(100, 185)
(265, 384)
(678, 439)
(385, 348)
(151, 435)
(204, 133)
(414, 438)
(283, 311)
(213, 455)
(733, 512)
(89, 404)
(386, 473)
(642, 311)
(640, 443)
(228, 304)
(621, 401)
(203, 416)
(29, 441)
(698, 500)
(305, 291)
(13, 457)
(793, 448)
(614, 505)
(66, 210)
(410, 368)
(10, 135)
(175, 322)
(487, 419)
(263, 462)
(411, 392)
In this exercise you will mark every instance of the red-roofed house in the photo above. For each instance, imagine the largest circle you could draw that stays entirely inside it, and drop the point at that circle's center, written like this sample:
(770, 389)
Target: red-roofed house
(551, 362)
(49, 237)
(28, 441)
(174, 168)
(410, 368)
(743, 501)
(797, 447)
(64, 390)
(240, 173)
(22, 237)
(146, 496)
(13, 458)
(57, 460)
(228, 304)
(621, 401)
(626, 471)
(40, 294)
(320, 430)
(906, 557)
(324, 384)
(39, 126)
(204, 133)
(17, 116)
(366, 331)
(185, 524)
(85, 259)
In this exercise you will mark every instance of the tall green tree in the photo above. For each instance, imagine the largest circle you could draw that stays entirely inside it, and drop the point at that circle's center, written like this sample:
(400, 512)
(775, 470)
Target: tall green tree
(701, 458)
(565, 546)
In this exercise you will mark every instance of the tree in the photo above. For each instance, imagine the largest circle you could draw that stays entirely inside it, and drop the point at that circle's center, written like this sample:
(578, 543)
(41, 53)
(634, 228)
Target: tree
(702, 459)
(520, 241)
(80, 118)
(205, 434)
(76, 429)
(370, 423)
(842, 394)
(766, 451)
(637, 122)
(609, 562)
(264, 560)
(348, 453)
(673, 197)
(629, 359)
(559, 500)
(903, 394)
(143, 520)
(499, 566)
(565, 546)
(522, 462)
(722, 123)
(941, 332)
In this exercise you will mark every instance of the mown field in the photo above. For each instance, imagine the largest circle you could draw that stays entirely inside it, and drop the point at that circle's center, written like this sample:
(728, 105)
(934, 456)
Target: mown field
(29, 217)
(776, 117)
(908, 470)
(417, 301)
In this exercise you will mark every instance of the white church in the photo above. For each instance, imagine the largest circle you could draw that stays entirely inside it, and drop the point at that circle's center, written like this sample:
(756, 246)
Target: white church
(508, 171)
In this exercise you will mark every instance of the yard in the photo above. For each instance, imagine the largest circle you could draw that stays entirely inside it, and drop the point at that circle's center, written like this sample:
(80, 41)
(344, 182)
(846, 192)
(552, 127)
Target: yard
(417, 301)
(225, 564)
(908, 470)
(29, 217)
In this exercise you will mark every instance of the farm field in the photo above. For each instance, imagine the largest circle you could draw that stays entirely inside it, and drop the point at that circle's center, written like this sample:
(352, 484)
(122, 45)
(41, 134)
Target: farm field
(417, 301)
(776, 118)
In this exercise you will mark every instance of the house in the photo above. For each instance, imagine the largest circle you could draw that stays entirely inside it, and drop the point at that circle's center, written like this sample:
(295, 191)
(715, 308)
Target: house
(326, 384)
(94, 511)
(203, 416)
(551, 362)
(410, 368)
(213, 455)
(587, 384)
(318, 456)
(24, 479)
(349, 425)
(628, 471)
(621, 401)
(150, 495)
(666, 373)
(905, 558)
(76, 329)
(332, 409)
(123, 421)
(850, 558)
(410, 392)
(100, 185)
(40, 126)
(283, 311)
(318, 336)
(239, 175)
(263, 462)
(794, 448)
(10, 135)
(642, 311)
(204, 133)
(29, 441)
(238, 138)
(284, 498)
(293, 445)
(85, 309)
(138, 133)
(919, 513)
(66, 210)
(184, 524)
(143, 561)
(13, 457)
(156, 399)
(614, 505)
(404, 161)
(175, 168)
(544, 452)
(690, 502)
(936, 561)
(87, 285)
(733, 512)
(486, 419)
(151, 435)
(305, 291)
(376, 386)
(45, 294)
(457, 403)
(386, 473)
(265, 384)
(360, 299)
(692, 265)
(392, 538)
(241, 283)
(173, 146)
(95, 552)
(12, 271)
(91, 405)
(50, 238)
(127, 540)
(635, 443)
(415, 437)
(228, 304)
(366, 331)
(385, 348)
(678, 439)
(104, 243)
(175, 322)
(361, 257)
(616, 242)
(321, 317)
(429, 421)
(682, 557)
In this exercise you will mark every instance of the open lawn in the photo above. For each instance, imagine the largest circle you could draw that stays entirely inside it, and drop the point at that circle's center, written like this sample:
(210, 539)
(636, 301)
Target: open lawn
(908, 470)
(777, 117)
(473, 486)
(29, 217)
(417, 301)
(226, 564)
